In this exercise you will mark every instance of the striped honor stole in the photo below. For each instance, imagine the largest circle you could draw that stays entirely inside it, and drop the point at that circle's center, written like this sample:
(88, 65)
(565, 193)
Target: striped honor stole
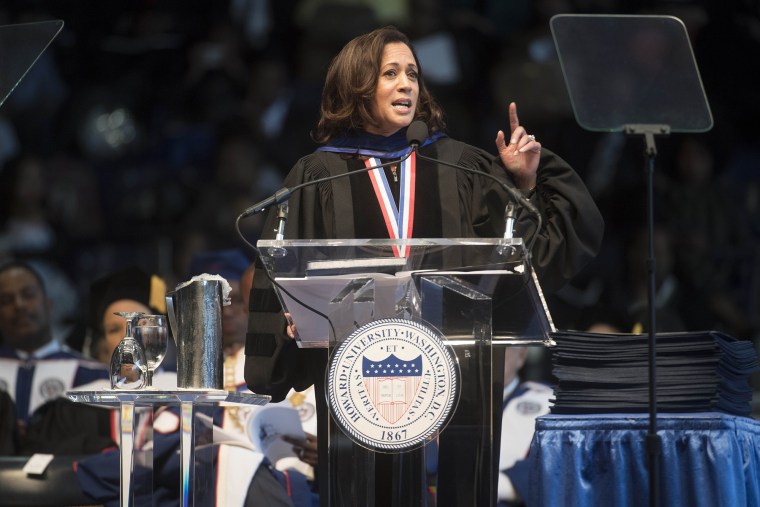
(399, 220)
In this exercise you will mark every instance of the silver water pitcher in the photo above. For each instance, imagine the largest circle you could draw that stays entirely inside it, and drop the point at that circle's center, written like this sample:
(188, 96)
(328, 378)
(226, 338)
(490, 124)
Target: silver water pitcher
(195, 317)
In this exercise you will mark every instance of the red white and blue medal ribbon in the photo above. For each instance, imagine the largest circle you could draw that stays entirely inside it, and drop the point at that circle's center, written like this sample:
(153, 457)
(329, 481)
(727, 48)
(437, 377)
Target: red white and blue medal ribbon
(398, 221)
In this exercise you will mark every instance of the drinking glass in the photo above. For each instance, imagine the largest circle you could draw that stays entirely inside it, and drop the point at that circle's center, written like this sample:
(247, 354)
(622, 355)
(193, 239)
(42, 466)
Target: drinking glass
(152, 333)
(128, 358)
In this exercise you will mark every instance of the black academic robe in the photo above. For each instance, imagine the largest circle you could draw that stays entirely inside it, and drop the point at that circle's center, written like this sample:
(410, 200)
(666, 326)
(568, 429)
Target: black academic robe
(449, 203)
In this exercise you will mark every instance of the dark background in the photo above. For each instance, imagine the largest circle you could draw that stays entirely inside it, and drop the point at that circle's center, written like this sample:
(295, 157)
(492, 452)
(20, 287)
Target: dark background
(148, 126)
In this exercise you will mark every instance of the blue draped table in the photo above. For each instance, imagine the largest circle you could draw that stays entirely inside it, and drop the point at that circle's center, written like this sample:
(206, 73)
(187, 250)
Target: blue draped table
(708, 459)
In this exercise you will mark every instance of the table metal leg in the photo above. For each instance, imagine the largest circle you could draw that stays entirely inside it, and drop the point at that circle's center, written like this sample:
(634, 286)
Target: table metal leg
(142, 455)
(187, 454)
(126, 447)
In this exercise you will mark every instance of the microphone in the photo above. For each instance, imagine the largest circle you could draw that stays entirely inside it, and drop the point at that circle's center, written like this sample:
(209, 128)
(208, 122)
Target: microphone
(282, 217)
(418, 132)
(509, 220)
(278, 197)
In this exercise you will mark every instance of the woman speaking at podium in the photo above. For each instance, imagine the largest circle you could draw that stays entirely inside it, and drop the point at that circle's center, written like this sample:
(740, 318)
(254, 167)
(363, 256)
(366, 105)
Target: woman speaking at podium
(374, 90)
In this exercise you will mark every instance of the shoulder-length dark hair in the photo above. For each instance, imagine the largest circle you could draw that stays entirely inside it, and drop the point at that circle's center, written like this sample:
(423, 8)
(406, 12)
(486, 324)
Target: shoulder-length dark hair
(351, 82)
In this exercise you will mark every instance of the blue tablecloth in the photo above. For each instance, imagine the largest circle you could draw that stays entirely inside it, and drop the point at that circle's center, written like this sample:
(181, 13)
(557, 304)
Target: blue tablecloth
(707, 459)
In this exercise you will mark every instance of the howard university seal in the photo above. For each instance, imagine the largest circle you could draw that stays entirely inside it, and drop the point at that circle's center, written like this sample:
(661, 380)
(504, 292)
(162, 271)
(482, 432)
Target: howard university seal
(392, 384)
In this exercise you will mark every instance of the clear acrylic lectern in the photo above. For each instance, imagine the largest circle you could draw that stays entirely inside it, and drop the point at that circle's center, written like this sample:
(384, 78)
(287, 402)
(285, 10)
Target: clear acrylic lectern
(479, 294)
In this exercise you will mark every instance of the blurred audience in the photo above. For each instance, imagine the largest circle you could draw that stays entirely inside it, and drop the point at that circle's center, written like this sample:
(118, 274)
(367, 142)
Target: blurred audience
(712, 250)
(25, 224)
(240, 178)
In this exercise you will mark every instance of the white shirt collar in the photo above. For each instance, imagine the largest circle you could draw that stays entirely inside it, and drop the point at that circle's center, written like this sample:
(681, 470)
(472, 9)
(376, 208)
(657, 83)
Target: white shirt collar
(49, 348)
(508, 389)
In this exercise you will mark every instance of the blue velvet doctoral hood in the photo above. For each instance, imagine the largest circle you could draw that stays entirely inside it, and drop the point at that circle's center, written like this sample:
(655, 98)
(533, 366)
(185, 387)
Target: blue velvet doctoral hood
(358, 142)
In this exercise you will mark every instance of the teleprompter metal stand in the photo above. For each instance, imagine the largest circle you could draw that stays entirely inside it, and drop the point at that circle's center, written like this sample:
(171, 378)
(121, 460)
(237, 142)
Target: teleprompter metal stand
(635, 74)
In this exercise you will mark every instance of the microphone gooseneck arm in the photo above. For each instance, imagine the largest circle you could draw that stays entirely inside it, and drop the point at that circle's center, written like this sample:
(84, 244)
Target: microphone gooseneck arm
(284, 193)
(513, 192)
(280, 197)
(516, 195)
(416, 135)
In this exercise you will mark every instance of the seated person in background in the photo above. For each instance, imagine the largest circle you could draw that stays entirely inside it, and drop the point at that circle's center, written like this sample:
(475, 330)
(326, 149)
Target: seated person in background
(36, 370)
(237, 465)
(305, 451)
(8, 436)
(34, 367)
(64, 427)
(523, 402)
(126, 290)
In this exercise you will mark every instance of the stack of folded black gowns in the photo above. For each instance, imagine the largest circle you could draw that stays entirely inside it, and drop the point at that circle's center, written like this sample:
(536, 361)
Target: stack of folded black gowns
(609, 373)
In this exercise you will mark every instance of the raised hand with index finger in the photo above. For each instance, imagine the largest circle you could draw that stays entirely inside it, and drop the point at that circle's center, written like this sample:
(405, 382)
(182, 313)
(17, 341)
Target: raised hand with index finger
(520, 156)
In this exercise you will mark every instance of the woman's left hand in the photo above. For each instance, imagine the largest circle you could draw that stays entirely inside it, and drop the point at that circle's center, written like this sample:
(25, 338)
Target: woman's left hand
(290, 329)
(520, 156)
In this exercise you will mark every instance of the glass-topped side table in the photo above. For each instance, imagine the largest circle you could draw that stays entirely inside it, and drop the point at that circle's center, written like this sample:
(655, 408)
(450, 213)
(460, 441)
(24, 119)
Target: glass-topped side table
(146, 399)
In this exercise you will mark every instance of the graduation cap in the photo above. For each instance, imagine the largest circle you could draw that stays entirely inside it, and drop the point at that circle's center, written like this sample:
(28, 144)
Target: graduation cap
(129, 283)
(229, 263)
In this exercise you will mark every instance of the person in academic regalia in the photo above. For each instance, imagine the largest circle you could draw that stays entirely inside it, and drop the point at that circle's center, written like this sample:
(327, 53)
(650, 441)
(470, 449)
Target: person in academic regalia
(523, 402)
(35, 368)
(373, 90)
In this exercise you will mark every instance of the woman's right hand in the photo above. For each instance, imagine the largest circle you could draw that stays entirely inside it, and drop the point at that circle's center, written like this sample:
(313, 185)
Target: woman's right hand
(521, 155)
